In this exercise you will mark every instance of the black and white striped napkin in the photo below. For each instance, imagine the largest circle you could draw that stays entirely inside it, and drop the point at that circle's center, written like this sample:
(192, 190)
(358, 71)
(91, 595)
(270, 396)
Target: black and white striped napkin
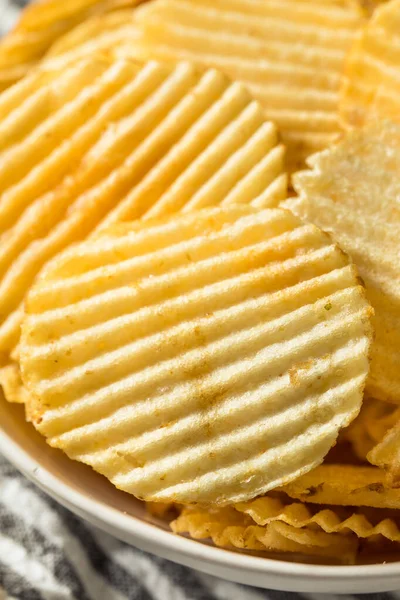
(47, 553)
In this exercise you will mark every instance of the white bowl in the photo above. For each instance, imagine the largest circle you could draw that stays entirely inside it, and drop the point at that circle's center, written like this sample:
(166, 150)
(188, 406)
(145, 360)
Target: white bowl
(91, 497)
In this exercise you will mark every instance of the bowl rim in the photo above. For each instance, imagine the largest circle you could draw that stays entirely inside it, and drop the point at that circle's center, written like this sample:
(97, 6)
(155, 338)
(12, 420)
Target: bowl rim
(112, 519)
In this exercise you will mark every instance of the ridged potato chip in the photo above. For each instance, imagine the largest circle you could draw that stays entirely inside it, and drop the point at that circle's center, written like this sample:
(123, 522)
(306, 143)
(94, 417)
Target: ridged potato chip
(110, 139)
(206, 358)
(266, 510)
(370, 427)
(40, 25)
(101, 33)
(289, 53)
(227, 528)
(345, 485)
(371, 86)
(353, 193)
(386, 454)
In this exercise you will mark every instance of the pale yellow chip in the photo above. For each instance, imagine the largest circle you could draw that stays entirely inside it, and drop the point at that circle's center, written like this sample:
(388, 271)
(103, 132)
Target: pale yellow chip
(289, 53)
(371, 87)
(345, 485)
(39, 26)
(101, 33)
(266, 510)
(10, 381)
(386, 453)
(111, 139)
(228, 528)
(206, 358)
(374, 421)
(353, 193)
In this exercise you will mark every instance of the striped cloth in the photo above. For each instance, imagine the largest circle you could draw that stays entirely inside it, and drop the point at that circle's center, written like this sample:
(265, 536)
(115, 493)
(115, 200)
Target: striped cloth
(47, 553)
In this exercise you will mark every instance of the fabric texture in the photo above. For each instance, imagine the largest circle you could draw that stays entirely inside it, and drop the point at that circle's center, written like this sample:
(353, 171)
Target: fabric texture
(47, 553)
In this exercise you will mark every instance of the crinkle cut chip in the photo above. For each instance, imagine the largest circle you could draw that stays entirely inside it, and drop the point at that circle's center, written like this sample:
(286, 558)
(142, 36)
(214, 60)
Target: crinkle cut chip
(204, 358)
(352, 191)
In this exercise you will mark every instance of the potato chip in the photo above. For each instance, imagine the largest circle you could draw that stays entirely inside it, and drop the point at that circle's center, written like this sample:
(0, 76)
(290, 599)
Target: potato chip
(371, 87)
(10, 381)
(289, 53)
(358, 436)
(369, 6)
(206, 358)
(100, 33)
(40, 25)
(386, 454)
(345, 485)
(111, 139)
(266, 510)
(371, 425)
(160, 510)
(229, 529)
(379, 427)
(353, 193)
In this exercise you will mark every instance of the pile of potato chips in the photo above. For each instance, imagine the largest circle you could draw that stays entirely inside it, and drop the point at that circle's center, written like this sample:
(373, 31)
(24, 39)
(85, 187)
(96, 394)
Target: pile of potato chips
(200, 266)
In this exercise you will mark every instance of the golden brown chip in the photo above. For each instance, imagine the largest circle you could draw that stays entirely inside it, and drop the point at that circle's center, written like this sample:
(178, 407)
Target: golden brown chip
(353, 192)
(371, 425)
(228, 528)
(369, 6)
(112, 139)
(345, 485)
(289, 53)
(40, 25)
(205, 358)
(371, 87)
(266, 510)
(386, 454)
(160, 510)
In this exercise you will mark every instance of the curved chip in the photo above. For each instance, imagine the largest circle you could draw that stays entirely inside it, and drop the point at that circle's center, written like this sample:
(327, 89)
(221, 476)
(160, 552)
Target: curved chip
(10, 381)
(206, 358)
(386, 454)
(161, 510)
(353, 193)
(345, 485)
(289, 53)
(265, 510)
(369, 6)
(110, 139)
(39, 26)
(374, 421)
(227, 528)
(371, 87)
(101, 33)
